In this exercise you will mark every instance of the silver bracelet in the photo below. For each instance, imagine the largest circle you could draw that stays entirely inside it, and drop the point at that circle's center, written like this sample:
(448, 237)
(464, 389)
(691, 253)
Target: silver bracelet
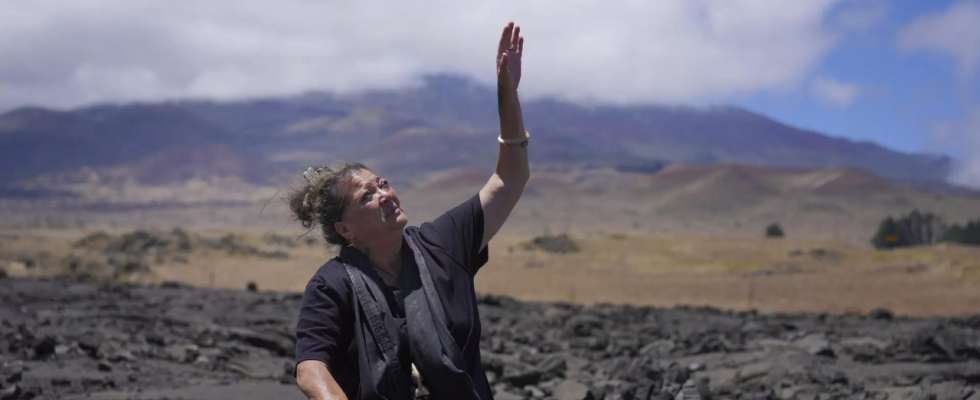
(520, 141)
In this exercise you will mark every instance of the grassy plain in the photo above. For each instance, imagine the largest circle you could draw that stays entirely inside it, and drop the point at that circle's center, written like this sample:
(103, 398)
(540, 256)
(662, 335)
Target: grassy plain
(631, 267)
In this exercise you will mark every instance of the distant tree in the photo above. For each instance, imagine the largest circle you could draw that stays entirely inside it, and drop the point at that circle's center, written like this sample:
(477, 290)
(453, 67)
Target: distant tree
(888, 235)
(909, 230)
(971, 233)
(774, 231)
(967, 234)
(956, 234)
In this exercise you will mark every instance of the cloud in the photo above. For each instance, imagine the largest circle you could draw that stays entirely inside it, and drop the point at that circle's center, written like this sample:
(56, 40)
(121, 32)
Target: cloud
(963, 137)
(863, 15)
(65, 53)
(834, 93)
(954, 32)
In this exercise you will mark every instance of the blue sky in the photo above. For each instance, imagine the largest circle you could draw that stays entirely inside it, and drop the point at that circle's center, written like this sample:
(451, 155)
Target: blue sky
(903, 95)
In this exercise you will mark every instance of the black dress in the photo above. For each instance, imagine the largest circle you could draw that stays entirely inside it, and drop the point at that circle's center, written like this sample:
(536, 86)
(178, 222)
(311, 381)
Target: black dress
(328, 329)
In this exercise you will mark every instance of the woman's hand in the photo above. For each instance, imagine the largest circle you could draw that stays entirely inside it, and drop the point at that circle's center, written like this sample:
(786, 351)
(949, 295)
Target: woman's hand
(509, 53)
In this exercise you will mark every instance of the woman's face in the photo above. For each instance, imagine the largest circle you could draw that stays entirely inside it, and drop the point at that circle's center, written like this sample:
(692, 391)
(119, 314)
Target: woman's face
(374, 209)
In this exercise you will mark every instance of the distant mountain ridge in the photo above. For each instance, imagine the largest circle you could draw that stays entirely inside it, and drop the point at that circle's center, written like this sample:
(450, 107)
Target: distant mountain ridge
(36, 141)
(448, 122)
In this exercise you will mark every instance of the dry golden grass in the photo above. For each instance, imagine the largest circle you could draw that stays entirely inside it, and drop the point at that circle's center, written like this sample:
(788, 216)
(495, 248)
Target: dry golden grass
(621, 267)
(740, 273)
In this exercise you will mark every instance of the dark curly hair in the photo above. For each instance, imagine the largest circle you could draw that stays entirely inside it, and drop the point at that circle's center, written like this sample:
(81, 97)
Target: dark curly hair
(323, 201)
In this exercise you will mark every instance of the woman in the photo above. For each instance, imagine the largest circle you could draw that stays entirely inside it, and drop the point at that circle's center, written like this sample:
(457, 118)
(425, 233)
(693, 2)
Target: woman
(394, 315)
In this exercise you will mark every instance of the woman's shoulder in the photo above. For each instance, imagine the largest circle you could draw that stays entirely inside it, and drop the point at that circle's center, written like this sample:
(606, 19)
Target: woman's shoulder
(427, 236)
(458, 233)
(332, 275)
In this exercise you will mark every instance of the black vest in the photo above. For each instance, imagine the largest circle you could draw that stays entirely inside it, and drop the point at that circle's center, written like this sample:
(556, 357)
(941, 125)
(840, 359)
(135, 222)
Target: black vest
(383, 375)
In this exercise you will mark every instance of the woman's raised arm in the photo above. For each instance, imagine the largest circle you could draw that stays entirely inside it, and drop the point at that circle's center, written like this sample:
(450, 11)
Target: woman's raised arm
(501, 193)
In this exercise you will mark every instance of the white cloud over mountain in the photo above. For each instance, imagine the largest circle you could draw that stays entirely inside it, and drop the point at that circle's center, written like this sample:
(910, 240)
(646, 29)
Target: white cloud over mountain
(955, 33)
(64, 53)
(835, 93)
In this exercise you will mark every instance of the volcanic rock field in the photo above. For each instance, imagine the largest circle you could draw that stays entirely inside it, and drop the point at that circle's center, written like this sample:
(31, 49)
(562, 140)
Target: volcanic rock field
(70, 339)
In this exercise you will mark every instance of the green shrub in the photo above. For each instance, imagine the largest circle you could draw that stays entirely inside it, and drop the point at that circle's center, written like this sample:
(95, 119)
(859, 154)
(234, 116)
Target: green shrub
(774, 231)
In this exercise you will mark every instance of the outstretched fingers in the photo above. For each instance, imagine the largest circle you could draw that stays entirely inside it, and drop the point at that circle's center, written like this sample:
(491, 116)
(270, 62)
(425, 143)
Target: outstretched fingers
(505, 37)
(515, 38)
(520, 47)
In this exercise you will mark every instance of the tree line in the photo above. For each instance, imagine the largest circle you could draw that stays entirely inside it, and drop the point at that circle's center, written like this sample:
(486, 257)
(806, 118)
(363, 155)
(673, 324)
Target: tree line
(918, 228)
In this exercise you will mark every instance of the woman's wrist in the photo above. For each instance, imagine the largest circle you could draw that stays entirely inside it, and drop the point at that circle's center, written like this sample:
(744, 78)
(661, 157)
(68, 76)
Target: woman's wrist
(506, 97)
(511, 118)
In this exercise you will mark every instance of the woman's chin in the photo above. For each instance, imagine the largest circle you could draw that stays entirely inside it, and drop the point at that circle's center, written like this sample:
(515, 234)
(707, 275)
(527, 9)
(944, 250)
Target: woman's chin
(399, 219)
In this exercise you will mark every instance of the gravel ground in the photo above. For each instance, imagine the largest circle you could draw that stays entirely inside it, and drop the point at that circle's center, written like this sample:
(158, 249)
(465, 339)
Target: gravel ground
(71, 339)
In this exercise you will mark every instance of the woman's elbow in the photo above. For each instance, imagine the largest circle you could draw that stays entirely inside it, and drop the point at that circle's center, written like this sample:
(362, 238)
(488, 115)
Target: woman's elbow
(515, 179)
(524, 177)
(315, 381)
(306, 382)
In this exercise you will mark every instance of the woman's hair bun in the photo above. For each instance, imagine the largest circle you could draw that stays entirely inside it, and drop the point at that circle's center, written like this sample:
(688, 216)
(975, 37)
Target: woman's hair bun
(322, 201)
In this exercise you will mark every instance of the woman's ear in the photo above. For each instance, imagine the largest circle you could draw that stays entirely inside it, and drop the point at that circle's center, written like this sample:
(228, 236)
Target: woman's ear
(343, 230)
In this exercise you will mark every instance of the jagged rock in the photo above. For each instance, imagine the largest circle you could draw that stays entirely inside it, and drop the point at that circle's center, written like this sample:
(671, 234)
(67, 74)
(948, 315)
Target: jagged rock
(45, 347)
(12, 371)
(864, 349)
(688, 392)
(60, 382)
(817, 345)
(154, 337)
(675, 375)
(881, 314)
(949, 391)
(583, 325)
(495, 363)
(120, 355)
(572, 390)
(175, 285)
(800, 392)
(929, 346)
(12, 392)
(704, 388)
(104, 366)
(61, 349)
(505, 395)
(658, 348)
(90, 344)
(553, 367)
(182, 353)
(277, 345)
(523, 378)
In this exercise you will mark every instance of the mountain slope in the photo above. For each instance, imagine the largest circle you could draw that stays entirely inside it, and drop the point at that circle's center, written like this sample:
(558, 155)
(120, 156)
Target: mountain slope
(565, 132)
(448, 122)
(36, 141)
